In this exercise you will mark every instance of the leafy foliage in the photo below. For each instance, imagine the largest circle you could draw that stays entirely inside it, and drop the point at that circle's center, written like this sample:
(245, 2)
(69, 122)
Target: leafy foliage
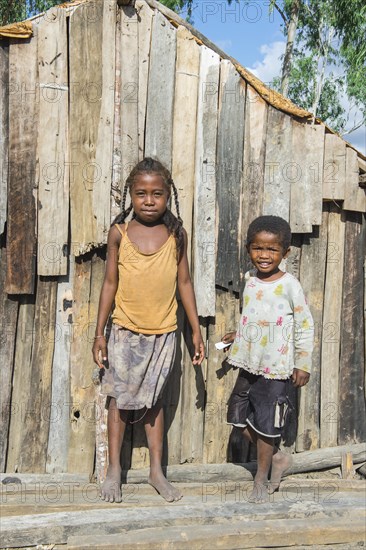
(18, 10)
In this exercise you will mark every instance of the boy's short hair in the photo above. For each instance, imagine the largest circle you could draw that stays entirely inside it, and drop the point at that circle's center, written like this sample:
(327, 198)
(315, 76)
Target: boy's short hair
(270, 224)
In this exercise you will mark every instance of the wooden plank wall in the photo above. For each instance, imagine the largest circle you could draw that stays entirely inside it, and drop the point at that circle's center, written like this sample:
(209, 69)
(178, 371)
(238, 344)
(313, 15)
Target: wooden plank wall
(233, 157)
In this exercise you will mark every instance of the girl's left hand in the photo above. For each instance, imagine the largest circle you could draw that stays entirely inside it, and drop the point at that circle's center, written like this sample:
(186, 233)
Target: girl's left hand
(199, 349)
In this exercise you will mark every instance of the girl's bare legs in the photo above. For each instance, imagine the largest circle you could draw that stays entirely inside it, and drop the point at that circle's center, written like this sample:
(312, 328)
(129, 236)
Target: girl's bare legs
(117, 419)
(154, 428)
(264, 460)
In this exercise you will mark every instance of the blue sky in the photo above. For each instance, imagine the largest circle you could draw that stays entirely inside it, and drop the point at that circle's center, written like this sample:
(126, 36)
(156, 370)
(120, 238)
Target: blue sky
(254, 38)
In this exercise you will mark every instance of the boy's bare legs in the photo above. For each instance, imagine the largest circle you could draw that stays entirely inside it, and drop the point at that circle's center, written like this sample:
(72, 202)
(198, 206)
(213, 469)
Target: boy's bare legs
(117, 419)
(154, 428)
(264, 460)
(280, 463)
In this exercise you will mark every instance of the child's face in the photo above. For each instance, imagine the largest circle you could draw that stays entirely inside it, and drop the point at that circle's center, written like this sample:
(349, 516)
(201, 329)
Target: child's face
(266, 252)
(149, 197)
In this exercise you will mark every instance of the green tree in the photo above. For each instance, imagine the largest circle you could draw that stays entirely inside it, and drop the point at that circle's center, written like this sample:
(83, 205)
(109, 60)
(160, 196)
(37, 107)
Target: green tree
(325, 55)
(18, 10)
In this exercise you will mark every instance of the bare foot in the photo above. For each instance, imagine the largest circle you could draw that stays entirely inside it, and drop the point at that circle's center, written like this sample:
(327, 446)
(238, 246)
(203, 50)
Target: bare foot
(164, 488)
(259, 495)
(111, 487)
(281, 462)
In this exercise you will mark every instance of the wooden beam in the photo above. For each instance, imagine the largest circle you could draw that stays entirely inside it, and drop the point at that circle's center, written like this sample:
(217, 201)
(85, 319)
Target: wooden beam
(4, 130)
(332, 312)
(355, 196)
(204, 220)
(229, 167)
(305, 171)
(334, 177)
(160, 98)
(276, 181)
(22, 194)
(52, 145)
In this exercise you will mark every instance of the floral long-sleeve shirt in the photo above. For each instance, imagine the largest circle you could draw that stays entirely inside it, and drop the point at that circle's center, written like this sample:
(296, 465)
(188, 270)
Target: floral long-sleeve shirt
(276, 329)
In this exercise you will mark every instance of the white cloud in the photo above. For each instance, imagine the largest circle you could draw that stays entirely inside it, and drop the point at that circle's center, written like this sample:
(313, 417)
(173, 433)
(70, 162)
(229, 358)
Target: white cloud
(270, 66)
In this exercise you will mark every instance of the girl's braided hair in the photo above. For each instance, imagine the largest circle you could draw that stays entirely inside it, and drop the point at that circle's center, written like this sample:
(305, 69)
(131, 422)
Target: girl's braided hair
(270, 224)
(173, 223)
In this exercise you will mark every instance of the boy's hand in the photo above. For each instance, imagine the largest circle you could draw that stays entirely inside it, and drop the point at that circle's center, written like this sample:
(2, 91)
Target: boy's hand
(228, 339)
(300, 378)
(99, 351)
(199, 349)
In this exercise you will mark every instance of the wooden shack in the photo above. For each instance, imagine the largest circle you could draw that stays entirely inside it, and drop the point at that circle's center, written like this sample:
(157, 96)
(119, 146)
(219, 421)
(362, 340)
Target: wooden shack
(88, 89)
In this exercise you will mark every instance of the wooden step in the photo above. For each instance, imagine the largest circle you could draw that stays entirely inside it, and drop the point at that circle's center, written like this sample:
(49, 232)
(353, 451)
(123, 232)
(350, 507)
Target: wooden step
(233, 534)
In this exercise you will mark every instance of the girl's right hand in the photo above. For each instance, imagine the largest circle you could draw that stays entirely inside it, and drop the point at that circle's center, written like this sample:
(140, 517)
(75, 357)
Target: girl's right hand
(228, 339)
(100, 352)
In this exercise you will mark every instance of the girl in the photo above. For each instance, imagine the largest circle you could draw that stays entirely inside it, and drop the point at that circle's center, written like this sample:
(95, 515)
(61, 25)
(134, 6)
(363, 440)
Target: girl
(146, 258)
(273, 344)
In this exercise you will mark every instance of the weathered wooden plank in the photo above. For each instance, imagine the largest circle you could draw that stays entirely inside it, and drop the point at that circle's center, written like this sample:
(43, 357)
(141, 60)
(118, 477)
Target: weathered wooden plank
(229, 166)
(117, 153)
(39, 399)
(355, 196)
(129, 90)
(82, 413)
(21, 381)
(305, 172)
(160, 97)
(204, 239)
(276, 200)
(352, 427)
(23, 114)
(312, 278)
(256, 113)
(8, 316)
(4, 130)
(334, 176)
(52, 145)
(329, 376)
(221, 378)
(86, 74)
(184, 125)
(104, 147)
(145, 16)
(58, 438)
(193, 389)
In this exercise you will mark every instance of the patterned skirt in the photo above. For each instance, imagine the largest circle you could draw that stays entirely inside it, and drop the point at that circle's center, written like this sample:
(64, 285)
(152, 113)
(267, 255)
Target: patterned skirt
(139, 366)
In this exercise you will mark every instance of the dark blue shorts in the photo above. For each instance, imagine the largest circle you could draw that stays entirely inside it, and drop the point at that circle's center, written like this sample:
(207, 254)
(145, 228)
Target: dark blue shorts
(260, 403)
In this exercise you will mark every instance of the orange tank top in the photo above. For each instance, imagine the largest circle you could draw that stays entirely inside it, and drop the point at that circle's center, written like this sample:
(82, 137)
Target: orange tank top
(145, 300)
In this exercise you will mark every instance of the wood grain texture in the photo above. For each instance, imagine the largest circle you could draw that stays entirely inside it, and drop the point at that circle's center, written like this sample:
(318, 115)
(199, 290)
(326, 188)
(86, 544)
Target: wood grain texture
(21, 381)
(58, 438)
(129, 90)
(82, 409)
(8, 316)
(352, 428)
(313, 253)
(204, 220)
(329, 396)
(4, 130)
(52, 145)
(278, 156)
(355, 196)
(184, 125)
(305, 172)
(256, 113)
(117, 153)
(229, 167)
(86, 89)
(22, 195)
(221, 378)
(145, 21)
(160, 98)
(334, 177)
(39, 399)
(104, 146)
